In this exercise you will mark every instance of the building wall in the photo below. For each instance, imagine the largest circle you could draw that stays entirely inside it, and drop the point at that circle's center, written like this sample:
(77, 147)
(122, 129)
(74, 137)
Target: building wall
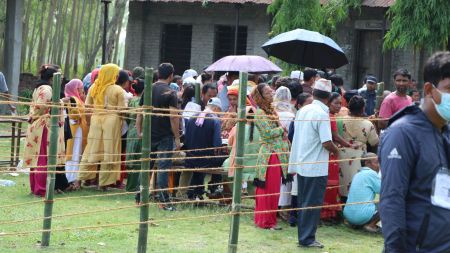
(146, 19)
(368, 19)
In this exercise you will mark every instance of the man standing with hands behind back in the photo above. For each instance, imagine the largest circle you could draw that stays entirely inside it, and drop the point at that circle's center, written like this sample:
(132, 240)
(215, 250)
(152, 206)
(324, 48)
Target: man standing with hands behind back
(165, 129)
(312, 142)
(414, 160)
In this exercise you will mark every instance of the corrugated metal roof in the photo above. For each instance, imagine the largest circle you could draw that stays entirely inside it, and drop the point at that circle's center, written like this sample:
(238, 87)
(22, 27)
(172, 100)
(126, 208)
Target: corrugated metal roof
(211, 1)
(371, 3)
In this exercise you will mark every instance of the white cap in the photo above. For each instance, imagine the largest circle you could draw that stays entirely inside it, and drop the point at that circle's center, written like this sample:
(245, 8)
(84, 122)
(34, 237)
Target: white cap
(323, 85)
(235, 82)
(189, 73)
(215, 101)
(189, 81)
(297, 74)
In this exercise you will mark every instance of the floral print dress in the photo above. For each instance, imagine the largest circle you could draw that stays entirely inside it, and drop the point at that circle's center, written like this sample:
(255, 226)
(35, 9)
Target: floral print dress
(355, 131)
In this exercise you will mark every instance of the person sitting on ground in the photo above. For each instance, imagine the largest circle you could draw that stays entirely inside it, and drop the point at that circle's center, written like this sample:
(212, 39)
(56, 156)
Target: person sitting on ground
(201, 133)
(366, 184)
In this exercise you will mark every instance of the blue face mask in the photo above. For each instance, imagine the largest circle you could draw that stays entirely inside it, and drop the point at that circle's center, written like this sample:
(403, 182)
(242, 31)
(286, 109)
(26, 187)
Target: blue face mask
(444, 107)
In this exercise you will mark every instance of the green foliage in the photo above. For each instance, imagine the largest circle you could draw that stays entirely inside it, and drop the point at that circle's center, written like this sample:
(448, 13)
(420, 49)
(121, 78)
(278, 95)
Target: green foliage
(418, 24)
(310, 15)
(24, 96)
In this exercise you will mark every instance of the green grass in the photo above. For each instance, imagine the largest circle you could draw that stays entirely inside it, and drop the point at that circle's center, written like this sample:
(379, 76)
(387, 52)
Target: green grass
(196, 235)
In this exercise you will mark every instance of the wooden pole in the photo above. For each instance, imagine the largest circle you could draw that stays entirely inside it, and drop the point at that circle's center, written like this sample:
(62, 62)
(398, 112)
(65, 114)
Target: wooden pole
(52, 159)
(237, 181)
(145, 165)
(380, 91)
(197, 93)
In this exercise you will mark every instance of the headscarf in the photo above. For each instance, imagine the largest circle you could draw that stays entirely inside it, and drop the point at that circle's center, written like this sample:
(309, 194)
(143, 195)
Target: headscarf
(87, 82)
(71, 89)
(263, 104)
(282, 100)
(138, 72)
(107, 76)
(94, 75)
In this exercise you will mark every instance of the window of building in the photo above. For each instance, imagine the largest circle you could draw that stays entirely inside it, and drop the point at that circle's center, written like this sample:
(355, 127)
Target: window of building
(224, 41)
(176, 46)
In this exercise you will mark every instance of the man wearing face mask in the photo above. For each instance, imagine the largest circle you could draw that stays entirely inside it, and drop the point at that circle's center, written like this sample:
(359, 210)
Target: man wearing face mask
(414, 157)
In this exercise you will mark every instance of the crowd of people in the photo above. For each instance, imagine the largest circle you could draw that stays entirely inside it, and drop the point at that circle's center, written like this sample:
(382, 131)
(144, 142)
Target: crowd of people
(308, 141)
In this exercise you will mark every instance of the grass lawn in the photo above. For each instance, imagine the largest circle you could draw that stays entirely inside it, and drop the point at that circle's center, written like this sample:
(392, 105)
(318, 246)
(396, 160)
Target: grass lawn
(194, 235)
(197, 235)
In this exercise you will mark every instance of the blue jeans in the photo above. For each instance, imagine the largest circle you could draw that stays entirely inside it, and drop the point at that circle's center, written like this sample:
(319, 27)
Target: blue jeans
(165, 144)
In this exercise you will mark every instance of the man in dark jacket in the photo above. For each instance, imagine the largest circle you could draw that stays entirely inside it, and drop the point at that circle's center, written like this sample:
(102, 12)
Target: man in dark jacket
(413, 154)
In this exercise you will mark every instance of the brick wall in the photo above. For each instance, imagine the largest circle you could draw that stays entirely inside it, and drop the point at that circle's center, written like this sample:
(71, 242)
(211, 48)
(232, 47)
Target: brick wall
(146, 19)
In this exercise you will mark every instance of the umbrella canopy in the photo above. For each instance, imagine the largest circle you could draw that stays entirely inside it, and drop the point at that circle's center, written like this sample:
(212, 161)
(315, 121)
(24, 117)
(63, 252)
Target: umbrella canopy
(306, 48)
(244, 63)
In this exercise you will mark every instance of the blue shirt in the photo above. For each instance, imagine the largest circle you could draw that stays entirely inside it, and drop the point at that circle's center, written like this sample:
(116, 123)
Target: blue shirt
(200, 137)
(312, 128)
(371, 98)
(365, 185)
(411, 152)
(223, 96)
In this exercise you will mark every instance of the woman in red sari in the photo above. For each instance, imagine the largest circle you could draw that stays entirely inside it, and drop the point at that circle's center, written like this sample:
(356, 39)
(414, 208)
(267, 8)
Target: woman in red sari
(332, 191)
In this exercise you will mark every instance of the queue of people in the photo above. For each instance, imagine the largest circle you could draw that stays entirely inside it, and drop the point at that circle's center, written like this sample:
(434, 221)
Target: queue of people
(308, 142)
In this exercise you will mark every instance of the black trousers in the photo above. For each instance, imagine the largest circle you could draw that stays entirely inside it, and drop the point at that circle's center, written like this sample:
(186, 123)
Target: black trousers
(311, 191)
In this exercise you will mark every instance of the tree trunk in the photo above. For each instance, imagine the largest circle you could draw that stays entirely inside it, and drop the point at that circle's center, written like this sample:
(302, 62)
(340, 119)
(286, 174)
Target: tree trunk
(26, 22)
(31, 43)
(87, 34)
(61, 35)
(48, 31)
(116, 48)
(119, 9)
(92, 53)
(59, 10)
(69, 42)
(78, 38)
(40, 53)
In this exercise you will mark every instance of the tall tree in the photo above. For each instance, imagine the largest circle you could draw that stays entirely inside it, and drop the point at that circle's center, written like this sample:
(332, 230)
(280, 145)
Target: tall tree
(62, 34)
(40, 53)
(69, 41)
(419, 24)
(92, 50)
(116, 21)
(26, 23)
(43, 56)
(78, 38)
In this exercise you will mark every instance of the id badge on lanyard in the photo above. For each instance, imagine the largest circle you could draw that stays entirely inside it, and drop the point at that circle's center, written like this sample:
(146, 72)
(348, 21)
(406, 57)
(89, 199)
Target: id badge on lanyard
(440, 195)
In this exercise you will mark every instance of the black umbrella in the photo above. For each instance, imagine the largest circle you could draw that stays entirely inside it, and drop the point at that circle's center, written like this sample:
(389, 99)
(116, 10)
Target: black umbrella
(306, 48)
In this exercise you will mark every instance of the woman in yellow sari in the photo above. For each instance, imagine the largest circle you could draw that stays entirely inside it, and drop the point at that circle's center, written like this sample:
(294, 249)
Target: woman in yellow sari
(104, 138)
(78, 126)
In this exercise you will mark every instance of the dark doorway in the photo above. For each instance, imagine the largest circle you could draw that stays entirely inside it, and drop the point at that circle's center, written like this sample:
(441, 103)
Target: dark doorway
(224, 41)
(368, 60)
(176, 46)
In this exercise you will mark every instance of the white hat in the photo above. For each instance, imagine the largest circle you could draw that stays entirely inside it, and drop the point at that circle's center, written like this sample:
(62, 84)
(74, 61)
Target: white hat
(323, 85)
(189, 81)
(189, 73)
(215, 101)
(297, 74)
(235, 83)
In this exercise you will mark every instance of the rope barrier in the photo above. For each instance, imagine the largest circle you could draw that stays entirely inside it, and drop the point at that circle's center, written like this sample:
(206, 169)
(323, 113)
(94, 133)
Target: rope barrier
(181, 218)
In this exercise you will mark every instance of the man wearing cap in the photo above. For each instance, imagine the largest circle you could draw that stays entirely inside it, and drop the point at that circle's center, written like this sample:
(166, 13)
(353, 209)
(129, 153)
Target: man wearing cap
(369, 94)
(203, 132)
(311, 144)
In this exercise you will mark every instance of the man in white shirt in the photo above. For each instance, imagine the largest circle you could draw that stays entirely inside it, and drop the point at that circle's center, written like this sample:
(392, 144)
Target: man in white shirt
(311, 145)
